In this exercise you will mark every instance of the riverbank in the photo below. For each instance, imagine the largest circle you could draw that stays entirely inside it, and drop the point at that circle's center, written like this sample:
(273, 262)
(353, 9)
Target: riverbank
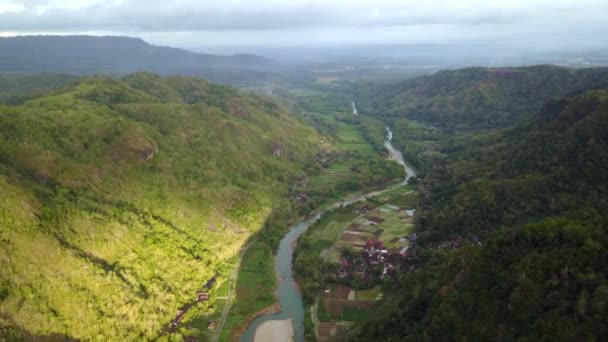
(256, 281)
(275, 330)
(269, 310)
(288, 291)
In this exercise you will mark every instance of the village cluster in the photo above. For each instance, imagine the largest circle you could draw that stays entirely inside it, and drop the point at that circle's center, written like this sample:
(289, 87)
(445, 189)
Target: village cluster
(375, 246)
(201, 296)
(376, 262)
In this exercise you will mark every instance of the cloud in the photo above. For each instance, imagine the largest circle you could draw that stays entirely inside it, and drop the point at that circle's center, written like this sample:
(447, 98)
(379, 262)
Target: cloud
(226, 15)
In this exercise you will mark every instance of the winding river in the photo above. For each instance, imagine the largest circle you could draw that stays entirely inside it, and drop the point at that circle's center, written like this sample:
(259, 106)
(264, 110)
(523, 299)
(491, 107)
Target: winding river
(287, 292)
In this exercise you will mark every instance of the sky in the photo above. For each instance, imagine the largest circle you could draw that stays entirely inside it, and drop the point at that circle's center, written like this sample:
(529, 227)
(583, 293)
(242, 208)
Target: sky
(194, 23)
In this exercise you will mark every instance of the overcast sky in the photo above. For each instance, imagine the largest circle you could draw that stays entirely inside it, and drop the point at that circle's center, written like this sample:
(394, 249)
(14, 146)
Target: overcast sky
(193, 23)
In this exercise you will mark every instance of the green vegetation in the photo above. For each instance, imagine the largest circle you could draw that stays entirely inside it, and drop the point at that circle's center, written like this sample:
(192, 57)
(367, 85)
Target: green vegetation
(122, 198)
(477, 97)
(309, 266)
(16, 88)
(535, 194)
(320, 250)
(254, 289)
(358, 160)
(351, 158)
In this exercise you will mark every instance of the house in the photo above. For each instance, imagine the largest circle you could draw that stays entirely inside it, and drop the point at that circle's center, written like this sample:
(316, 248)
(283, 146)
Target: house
(413, 237)
(454, 244)
(201, 296)
(362, 210)
(375, 219)
(369, 247)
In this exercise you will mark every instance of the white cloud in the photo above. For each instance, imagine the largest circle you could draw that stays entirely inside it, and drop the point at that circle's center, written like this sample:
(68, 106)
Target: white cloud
(249, 18)
(10, 7)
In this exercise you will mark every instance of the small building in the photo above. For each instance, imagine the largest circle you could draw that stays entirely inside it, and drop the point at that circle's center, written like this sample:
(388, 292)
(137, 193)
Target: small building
(202, 296)
(413, 237)
(212, 325)
(375, 220)
(410, 212)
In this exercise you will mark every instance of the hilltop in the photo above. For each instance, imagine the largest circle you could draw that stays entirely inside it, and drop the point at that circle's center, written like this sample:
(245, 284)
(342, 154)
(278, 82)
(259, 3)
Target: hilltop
(478, 98)
(114, 55)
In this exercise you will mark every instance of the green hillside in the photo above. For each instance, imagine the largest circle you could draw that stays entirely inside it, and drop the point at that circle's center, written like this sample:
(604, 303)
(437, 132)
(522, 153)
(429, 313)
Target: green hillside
(121, 198)
(536, 197)
(475, 98)
(17, 88)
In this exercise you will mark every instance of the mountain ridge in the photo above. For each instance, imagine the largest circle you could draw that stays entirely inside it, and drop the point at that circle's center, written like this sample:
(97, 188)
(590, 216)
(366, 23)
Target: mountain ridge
(120, 55)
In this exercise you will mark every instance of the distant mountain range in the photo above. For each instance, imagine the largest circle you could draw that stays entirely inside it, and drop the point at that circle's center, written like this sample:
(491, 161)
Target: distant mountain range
(123, 55)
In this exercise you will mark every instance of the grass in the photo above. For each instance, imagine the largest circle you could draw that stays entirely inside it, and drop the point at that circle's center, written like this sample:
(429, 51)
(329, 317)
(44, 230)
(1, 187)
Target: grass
(406, 201)
(353, 315)
(325, 233)
(393, 226)
(369, 294)
(322, 313)
(254, 289)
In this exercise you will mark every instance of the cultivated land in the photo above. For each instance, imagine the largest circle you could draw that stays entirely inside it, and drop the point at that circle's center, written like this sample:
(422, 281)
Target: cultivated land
(349, 162)
(336, 240)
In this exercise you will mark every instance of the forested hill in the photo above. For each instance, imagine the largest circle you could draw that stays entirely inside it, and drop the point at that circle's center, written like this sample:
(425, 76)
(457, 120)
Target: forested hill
(476, 98)
(17, 88)
(121, 198)
(536, 197)
(123, 55)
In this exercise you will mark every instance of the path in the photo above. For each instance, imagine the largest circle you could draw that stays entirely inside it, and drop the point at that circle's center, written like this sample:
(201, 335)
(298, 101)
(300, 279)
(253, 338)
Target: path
(230, 290)
(315, 318)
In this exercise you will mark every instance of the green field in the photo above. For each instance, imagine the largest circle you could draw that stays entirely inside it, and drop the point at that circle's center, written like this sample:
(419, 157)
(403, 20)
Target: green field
(369, 294)
(324, 234)
(254, 289)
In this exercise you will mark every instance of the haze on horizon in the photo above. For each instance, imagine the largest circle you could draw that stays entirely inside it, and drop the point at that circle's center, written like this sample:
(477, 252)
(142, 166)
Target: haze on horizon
(191, 24)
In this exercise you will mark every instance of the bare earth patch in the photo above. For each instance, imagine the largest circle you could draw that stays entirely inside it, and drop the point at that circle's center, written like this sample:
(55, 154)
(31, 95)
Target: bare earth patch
(274, 330)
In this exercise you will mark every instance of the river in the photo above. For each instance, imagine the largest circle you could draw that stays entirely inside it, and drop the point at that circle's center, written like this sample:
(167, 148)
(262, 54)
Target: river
(288, 292)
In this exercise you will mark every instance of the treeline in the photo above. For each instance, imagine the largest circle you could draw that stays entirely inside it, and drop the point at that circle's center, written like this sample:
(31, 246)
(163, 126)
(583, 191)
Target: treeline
(475, 98)
(535, 195)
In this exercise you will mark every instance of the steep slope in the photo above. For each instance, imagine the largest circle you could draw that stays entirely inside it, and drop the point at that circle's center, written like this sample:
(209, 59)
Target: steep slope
(537, 197)
(123, 55)
(121, 198)
(476, 98)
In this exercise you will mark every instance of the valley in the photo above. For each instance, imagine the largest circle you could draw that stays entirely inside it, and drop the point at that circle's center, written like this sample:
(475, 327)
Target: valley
(467, 203)
(303, 171)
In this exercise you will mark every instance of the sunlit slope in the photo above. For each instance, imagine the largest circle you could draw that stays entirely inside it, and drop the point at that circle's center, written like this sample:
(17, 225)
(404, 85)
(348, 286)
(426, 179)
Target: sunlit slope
(120, 198)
